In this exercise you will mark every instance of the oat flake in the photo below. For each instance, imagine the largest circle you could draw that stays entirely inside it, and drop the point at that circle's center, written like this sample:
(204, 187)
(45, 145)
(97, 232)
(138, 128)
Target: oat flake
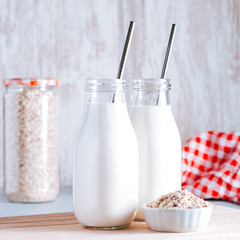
(178, 200)
(31, 145)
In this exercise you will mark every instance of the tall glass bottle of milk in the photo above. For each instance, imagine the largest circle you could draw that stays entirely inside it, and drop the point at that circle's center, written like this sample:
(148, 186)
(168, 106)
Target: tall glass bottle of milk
(105, 168)
(158, 140)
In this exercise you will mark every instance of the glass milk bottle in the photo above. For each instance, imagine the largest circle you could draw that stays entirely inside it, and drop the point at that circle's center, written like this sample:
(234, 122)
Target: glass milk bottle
(158, 140)
(105, 168)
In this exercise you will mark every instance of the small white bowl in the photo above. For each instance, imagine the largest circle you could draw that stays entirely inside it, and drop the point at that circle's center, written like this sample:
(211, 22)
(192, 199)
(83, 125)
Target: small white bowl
(177, 220)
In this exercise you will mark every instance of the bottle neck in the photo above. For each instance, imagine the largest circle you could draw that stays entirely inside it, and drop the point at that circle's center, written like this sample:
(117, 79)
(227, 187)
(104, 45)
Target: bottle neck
(156, 98)
(105, 97)
(105, 91)
(163, 98)
(152, 92)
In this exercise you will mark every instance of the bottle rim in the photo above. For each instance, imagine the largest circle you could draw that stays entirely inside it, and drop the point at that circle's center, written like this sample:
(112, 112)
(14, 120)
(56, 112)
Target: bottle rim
(105, 85)
(154, 84)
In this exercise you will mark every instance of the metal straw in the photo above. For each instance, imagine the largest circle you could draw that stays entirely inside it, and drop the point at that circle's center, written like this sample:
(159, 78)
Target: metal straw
(168, 51)
(125, 49)
(167, 56)
(124, 53)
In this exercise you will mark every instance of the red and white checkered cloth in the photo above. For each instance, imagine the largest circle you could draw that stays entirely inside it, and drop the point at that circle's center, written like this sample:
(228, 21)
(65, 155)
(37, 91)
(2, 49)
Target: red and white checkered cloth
(211, 165)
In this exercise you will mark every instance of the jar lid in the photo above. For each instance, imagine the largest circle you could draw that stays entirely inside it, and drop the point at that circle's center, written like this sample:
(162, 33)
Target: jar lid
(31, 82)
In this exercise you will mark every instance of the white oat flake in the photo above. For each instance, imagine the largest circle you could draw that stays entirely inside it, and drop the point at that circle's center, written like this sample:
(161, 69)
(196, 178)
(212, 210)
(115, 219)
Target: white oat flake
(31, 145)
(178, 200)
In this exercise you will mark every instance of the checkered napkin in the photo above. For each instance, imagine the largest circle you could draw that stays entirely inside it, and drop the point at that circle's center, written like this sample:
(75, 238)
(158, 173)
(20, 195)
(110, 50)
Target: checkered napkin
(211, 165)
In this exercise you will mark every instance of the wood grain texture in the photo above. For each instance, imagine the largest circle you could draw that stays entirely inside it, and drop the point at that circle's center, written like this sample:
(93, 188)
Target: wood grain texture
(77, 39)
(224, 224)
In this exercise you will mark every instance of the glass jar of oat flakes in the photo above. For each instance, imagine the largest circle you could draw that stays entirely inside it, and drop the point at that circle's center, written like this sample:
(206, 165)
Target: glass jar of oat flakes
(31, 144)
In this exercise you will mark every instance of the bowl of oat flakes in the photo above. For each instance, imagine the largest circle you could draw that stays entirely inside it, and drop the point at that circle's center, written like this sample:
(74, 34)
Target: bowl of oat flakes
(178, 211)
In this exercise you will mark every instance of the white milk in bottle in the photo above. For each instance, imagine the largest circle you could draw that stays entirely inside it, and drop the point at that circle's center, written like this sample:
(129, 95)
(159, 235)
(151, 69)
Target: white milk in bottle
(158, 140)
(105, 170)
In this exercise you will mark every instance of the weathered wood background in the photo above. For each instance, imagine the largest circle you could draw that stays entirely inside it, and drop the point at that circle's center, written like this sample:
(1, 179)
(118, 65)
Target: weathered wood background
(77, 39)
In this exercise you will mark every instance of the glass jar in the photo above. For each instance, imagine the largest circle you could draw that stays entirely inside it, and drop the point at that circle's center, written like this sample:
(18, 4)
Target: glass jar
(31, 144)
(158, 140)
(105, 163)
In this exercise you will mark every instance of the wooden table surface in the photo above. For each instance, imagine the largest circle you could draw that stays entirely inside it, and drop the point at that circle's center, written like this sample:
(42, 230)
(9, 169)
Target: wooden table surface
(224, 224)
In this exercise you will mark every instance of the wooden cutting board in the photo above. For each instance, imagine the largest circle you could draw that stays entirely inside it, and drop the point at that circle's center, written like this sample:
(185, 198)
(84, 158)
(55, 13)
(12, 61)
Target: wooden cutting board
(224, 224)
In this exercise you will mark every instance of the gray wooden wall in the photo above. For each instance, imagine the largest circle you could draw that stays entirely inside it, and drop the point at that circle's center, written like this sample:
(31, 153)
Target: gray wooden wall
(77, 39)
